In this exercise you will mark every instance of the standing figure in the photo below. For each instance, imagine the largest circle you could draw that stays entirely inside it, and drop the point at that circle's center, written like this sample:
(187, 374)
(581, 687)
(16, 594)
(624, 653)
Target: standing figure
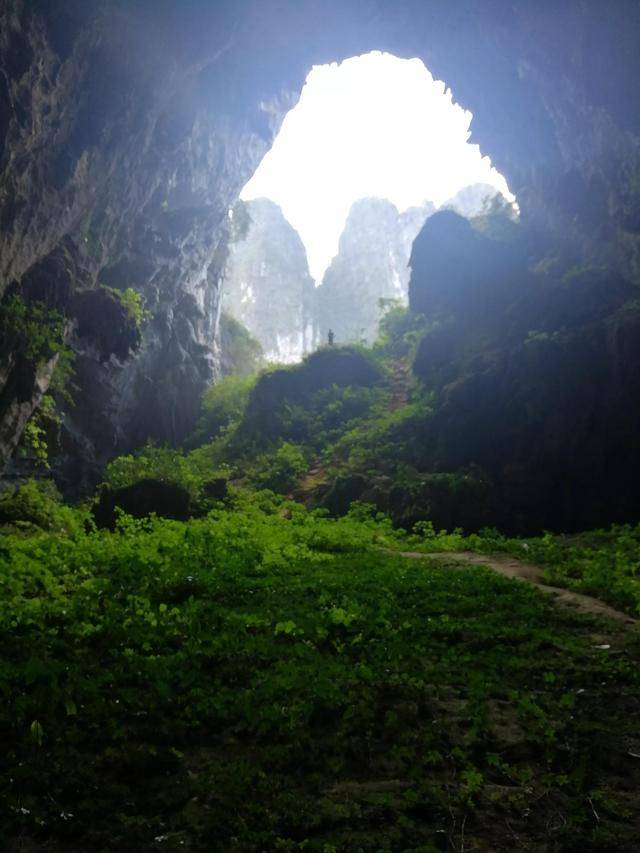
(331, 337)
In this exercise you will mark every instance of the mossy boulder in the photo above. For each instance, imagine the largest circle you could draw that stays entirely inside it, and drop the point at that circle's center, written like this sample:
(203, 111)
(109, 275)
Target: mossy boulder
(275, 390)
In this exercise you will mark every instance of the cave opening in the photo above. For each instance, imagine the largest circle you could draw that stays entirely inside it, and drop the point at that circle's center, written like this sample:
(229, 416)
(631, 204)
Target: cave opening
(374, 145)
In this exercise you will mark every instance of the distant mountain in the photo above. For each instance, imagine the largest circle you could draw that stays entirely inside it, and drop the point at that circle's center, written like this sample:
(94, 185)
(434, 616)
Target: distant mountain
(371, 265)
(267, 285)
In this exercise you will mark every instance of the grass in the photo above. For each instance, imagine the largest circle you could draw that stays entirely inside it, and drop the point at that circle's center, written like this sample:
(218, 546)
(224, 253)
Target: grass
(266, 679)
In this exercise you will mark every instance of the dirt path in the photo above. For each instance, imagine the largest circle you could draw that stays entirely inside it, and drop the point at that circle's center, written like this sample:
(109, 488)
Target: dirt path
(529, 573)
(399, 386)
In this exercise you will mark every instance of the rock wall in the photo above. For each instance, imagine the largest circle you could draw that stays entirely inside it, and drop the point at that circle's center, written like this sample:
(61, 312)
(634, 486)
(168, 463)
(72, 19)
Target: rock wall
(127, 130)
(534, 371)
(117, 171)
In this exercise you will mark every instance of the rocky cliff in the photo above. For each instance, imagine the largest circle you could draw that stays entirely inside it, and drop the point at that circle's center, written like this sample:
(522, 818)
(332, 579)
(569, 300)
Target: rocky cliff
(267, 285)
(534, 372)
(128, 129)
(371, 265)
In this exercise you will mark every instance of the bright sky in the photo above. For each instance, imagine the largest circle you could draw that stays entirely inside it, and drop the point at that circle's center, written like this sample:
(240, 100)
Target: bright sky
(373, 125)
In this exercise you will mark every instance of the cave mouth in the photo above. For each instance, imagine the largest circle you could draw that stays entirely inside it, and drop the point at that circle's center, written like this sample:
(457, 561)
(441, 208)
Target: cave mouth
(371, 126)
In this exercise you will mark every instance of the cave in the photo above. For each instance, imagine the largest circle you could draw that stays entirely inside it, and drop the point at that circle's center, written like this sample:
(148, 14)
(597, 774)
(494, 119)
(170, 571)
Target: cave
(384, 598)
(129, 132)
(371, 149)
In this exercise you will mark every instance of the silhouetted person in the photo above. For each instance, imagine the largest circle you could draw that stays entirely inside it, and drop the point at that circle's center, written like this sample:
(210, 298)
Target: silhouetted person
(331, 337)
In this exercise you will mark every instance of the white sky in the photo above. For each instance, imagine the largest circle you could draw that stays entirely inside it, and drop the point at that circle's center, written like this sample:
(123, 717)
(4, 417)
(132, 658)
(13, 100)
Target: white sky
(374, 125)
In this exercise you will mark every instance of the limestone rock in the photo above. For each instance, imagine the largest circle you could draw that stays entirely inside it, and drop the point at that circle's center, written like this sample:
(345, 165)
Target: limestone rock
(267, 285)
(371, 265)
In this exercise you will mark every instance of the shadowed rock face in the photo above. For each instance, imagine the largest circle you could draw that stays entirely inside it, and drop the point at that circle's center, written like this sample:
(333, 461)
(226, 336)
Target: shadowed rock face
(535, 375)
(128, 129)
(168, 500)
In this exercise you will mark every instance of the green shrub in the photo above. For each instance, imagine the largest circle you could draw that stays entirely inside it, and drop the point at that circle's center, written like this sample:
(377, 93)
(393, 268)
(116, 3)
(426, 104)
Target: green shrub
(131, 301)
(223, 405)
(36, 505)
(280, 470)
(34, 330)
(400, 331)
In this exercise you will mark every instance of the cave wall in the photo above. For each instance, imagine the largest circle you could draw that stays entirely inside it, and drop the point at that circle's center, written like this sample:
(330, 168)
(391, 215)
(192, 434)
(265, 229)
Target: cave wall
(127, 130)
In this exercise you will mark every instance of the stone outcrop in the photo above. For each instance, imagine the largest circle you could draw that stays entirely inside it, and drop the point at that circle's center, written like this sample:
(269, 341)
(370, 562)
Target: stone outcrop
(128, 129)
(267, 285)
(535, 376)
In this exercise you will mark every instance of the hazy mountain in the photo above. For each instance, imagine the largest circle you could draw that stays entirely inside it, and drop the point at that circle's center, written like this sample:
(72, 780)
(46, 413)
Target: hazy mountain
(267, 286)
(371, 264)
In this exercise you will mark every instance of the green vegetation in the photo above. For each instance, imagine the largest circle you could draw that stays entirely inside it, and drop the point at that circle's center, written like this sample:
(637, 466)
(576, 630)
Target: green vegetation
(36, 506)
(131, 302)
(223, 405)
(35, 334)
(281, 469)
(34, 330)
(283, 680)
(34, 439)
(191, 470)
(280, 684)
(242, 352)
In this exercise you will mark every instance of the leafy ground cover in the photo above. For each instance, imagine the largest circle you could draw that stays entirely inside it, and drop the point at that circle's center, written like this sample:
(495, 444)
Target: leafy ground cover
(266, 679)
(601, 563)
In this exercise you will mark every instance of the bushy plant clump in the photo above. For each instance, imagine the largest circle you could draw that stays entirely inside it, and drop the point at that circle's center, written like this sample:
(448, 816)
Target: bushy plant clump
(131, 302)
(223, 405)
(36, 506)
(191, 470)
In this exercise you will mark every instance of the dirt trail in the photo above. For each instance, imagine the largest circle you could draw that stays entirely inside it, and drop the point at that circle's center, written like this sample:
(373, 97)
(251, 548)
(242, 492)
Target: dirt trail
(399, 385)
(509, 567)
